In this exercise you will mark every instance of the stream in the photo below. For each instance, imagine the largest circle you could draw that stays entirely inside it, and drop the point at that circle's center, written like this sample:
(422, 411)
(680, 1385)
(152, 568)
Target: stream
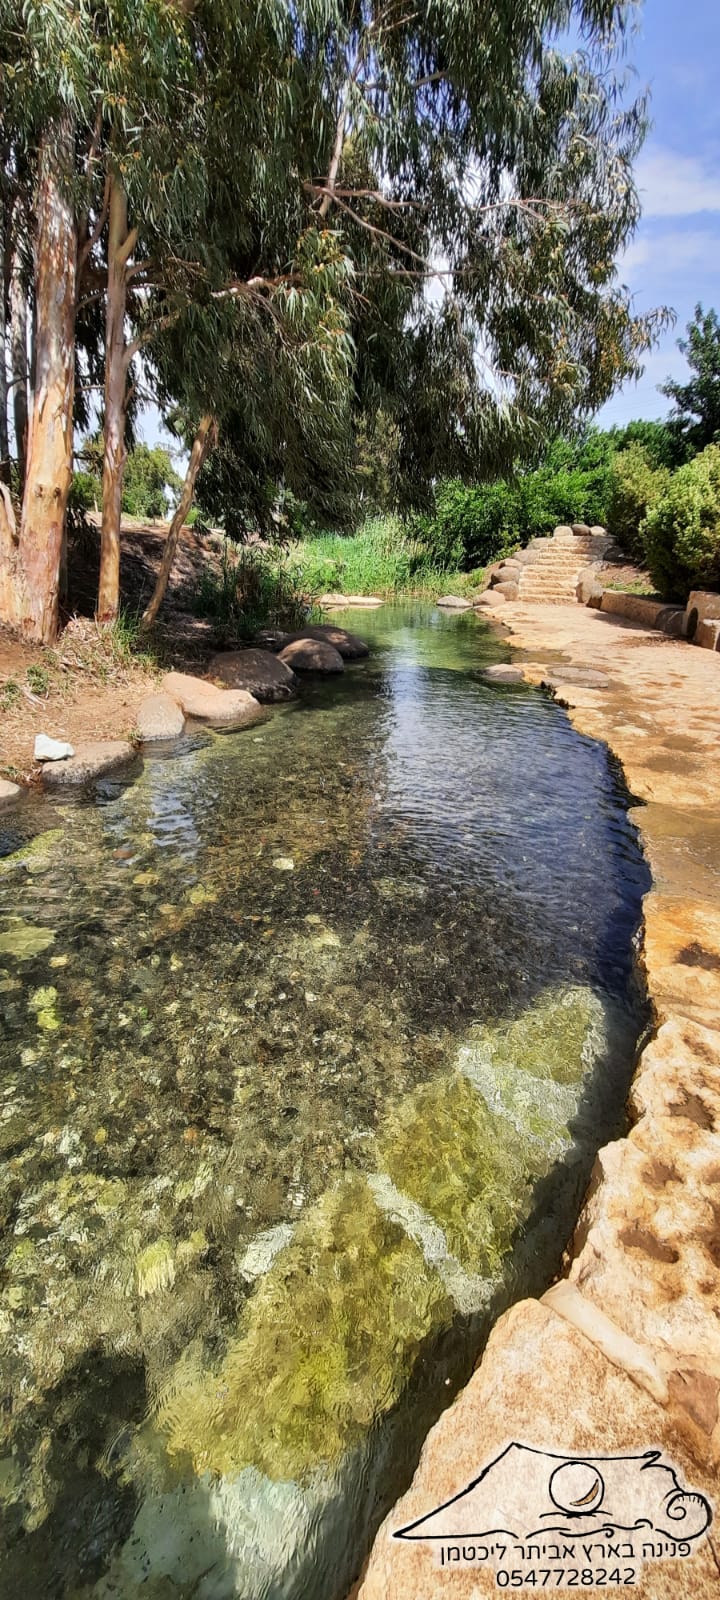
(309, 1037)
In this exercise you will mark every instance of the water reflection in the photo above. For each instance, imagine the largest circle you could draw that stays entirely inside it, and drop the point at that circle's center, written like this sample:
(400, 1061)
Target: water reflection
(308, 1039)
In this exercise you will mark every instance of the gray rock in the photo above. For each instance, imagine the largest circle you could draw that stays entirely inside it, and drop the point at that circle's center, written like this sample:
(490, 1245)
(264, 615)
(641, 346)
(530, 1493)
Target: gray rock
(336, 602)
(259, 672)
(271, 639)
(312, 655)
(491, 597)
(92, 759)
(9, 792)
(221, 708)
(452, 602)
(159, 717)
(503, 673)
(581, 528)
(47, 749)
(348, 645)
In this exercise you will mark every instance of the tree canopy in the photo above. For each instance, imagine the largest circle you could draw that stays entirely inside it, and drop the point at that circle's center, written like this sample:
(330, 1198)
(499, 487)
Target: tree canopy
(696, 412)
(294, 219)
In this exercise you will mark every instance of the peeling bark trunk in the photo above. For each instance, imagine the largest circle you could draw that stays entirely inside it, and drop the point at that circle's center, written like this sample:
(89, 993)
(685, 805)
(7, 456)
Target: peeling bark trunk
(204, 441)
(49, 456)
(8, 558)
(115, 404)
(19, 364)
(4, 438)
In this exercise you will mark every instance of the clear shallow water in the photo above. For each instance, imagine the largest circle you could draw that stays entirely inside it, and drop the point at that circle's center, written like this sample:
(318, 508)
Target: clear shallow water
(309, 1038)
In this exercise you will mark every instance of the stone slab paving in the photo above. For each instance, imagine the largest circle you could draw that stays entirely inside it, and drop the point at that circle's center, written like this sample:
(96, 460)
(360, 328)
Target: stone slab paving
(624, 1353)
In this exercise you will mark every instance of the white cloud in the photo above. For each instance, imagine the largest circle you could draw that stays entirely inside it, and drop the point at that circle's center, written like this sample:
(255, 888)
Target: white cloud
(671, 251)
(672, 185)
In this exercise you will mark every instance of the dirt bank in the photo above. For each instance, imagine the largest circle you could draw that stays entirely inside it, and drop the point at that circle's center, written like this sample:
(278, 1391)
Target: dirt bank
(91, 684)
(622, 1356)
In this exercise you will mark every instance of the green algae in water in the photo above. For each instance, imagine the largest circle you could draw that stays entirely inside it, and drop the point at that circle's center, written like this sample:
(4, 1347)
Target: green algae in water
(324, 1347)
(23, 941)
(212, 1159)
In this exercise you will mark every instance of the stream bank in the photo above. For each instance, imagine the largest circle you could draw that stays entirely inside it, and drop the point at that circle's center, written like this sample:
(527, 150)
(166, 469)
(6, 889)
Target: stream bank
(623, 1354)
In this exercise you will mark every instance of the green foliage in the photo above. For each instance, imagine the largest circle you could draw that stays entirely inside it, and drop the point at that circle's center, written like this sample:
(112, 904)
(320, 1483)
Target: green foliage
(635, 487)
(85, 493)
(682, 531)
(384, 556)
(696, 414)
(149, 482)
(253, 588)
(38, 678)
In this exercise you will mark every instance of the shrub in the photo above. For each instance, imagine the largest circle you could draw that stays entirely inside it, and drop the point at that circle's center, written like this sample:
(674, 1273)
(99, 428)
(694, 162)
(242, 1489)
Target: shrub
(681, 533)
(635, 487)
(253, 588)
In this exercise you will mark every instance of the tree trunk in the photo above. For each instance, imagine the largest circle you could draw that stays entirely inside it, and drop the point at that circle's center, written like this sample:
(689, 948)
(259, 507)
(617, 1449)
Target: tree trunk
(19, 363)
(4, 439)
(49, 456)
(204, 441)
(115, 403)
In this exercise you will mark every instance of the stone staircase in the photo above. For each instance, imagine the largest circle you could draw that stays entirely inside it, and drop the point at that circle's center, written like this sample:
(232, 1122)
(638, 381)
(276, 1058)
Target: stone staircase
(547, 571)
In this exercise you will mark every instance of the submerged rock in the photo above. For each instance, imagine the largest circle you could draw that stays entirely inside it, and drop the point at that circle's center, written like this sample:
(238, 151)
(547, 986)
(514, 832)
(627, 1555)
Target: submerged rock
(348, 645)
(222, 708)
(159, 717)
(312, 655)
(22, 940)
(503, 673)
(259, 672)
(91, 760)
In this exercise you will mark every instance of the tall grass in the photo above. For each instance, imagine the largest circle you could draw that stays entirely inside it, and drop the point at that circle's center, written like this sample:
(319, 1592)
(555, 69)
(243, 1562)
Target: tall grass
(383, 557)
(253, 588)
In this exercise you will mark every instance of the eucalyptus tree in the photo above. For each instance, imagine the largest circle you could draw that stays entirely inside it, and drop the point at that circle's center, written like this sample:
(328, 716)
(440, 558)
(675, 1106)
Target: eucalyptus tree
(182, 152)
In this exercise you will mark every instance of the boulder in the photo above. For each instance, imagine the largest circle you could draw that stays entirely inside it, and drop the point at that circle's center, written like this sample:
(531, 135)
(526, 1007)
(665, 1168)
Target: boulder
(581, 529)
(590, 588)
(597, 531)
(259, 672)
(336, 602)
(222, 708)
(312, 655)
(271, 639)
(453, 602)
(562, 531)
(347, 644)
(491, 597)
(47, 749)
(92, 759)
(9, 792)
(159, 717)
(503, 673)
(507, 589)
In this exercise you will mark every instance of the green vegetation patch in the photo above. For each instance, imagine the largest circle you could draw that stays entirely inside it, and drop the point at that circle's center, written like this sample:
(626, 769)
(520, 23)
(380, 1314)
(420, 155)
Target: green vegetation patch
(324, 1346)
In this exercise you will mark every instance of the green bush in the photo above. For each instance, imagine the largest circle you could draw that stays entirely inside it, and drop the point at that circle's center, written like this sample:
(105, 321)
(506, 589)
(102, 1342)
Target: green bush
(635, 487)
(384, 555)
(252, 588)
(681, 533)
(85, 493)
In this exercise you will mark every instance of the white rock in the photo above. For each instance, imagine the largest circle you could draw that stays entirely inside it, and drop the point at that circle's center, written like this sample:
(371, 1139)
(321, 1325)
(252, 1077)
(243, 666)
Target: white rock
(47, 749)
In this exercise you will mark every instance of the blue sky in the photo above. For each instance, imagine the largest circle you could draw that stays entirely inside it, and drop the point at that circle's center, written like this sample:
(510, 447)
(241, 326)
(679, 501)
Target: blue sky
(674, 258)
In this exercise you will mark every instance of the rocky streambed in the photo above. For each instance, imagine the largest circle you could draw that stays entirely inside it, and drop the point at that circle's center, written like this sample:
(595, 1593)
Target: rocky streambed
(310, 1037)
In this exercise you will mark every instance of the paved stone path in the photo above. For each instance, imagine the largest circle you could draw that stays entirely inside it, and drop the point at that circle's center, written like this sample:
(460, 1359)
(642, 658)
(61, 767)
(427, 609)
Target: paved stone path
(623, 1355)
